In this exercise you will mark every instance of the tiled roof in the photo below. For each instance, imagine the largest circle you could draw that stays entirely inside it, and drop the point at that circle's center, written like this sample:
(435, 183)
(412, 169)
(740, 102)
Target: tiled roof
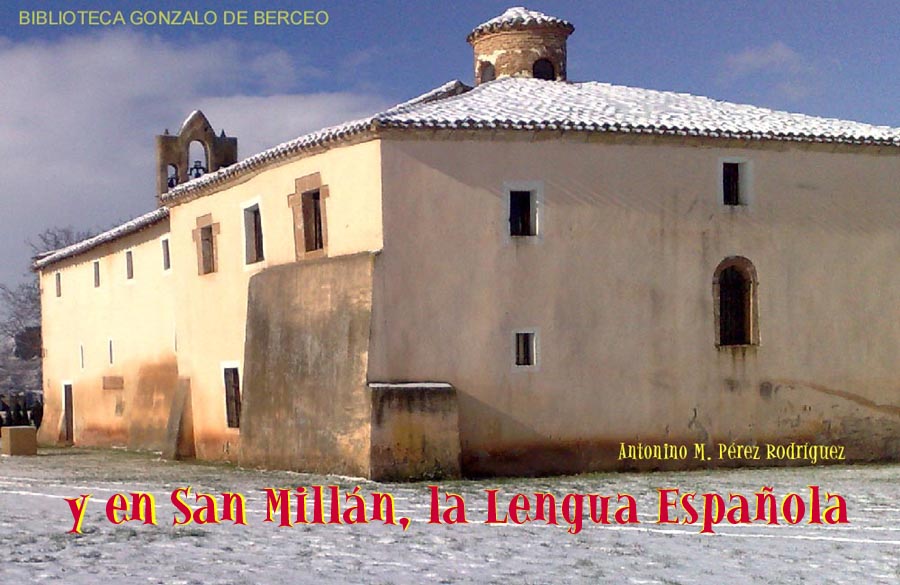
(534, 104)
(518, 17)
(515, 103)
(130, 227)
(308, 141)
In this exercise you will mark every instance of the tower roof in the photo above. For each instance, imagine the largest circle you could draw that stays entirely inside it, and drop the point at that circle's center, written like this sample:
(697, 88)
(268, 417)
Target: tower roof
(519, 17)
(195, 118)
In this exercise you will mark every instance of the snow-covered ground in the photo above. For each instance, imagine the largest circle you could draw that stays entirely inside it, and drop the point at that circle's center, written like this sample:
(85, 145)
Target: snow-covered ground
(34, 520)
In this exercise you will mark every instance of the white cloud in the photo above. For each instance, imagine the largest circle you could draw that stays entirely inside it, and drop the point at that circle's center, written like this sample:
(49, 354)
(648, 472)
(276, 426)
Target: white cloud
(783, 73)
(282, 115)
(775, 57)
(793, 90)
(361, 57)
(79, 116)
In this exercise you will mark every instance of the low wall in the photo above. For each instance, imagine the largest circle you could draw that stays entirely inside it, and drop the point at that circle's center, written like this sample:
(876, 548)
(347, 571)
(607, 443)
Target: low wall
(415, 432)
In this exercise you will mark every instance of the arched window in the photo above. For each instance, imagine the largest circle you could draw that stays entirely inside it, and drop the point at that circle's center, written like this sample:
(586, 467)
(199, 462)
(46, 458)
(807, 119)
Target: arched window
(734, 294)
(198, 163)
(171, 176)
(486, 72)
(543, 69)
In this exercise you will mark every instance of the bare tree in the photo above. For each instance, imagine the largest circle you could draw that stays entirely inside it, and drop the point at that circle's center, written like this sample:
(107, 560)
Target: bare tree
(55, 238)
(20, 304)
(21, 307)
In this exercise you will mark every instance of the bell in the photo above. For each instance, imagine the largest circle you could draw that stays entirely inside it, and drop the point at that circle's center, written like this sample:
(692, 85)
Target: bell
(198, 170)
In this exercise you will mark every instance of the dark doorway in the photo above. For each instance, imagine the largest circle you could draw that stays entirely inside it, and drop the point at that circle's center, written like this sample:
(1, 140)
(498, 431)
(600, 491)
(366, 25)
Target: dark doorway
(734, 307)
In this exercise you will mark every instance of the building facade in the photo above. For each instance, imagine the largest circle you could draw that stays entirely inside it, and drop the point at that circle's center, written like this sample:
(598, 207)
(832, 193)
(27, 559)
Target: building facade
(520, 277)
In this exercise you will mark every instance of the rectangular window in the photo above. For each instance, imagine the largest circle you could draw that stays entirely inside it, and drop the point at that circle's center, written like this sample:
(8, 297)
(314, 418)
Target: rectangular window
(81, 354)
(58, 285)
(96, 274)
(253, 235)
(233, 397)
(525, 348)
(522, 213)
(312, 221)
(167, 262)
(207, 250)
(129, 265)
(731, 184)
(110, 352)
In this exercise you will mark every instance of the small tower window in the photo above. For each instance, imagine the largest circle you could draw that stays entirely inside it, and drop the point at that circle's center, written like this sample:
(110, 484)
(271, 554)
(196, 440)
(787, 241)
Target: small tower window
(58, 285)
(129, 265)
(543, 69)
(487, 72)
(96, 273)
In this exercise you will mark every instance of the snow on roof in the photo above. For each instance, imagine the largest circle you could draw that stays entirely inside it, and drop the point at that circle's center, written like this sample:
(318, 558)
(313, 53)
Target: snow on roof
(135, 225)
(535, 104)
(516, 103)
(518, 17)
(308, 141)
(190, 116)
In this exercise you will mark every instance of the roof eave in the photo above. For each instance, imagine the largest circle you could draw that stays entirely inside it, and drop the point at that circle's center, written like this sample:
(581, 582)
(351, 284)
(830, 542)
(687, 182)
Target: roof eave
(46, 259)
(349, 132)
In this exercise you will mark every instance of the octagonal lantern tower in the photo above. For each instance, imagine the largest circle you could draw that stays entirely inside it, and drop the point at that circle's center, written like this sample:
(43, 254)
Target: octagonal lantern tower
(520, 43)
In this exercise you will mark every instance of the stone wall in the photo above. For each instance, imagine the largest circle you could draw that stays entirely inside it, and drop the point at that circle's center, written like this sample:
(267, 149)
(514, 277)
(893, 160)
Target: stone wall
(512, 53)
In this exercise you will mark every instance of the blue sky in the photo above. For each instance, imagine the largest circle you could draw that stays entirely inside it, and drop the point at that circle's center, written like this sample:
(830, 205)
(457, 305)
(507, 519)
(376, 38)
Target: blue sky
(79, 106)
